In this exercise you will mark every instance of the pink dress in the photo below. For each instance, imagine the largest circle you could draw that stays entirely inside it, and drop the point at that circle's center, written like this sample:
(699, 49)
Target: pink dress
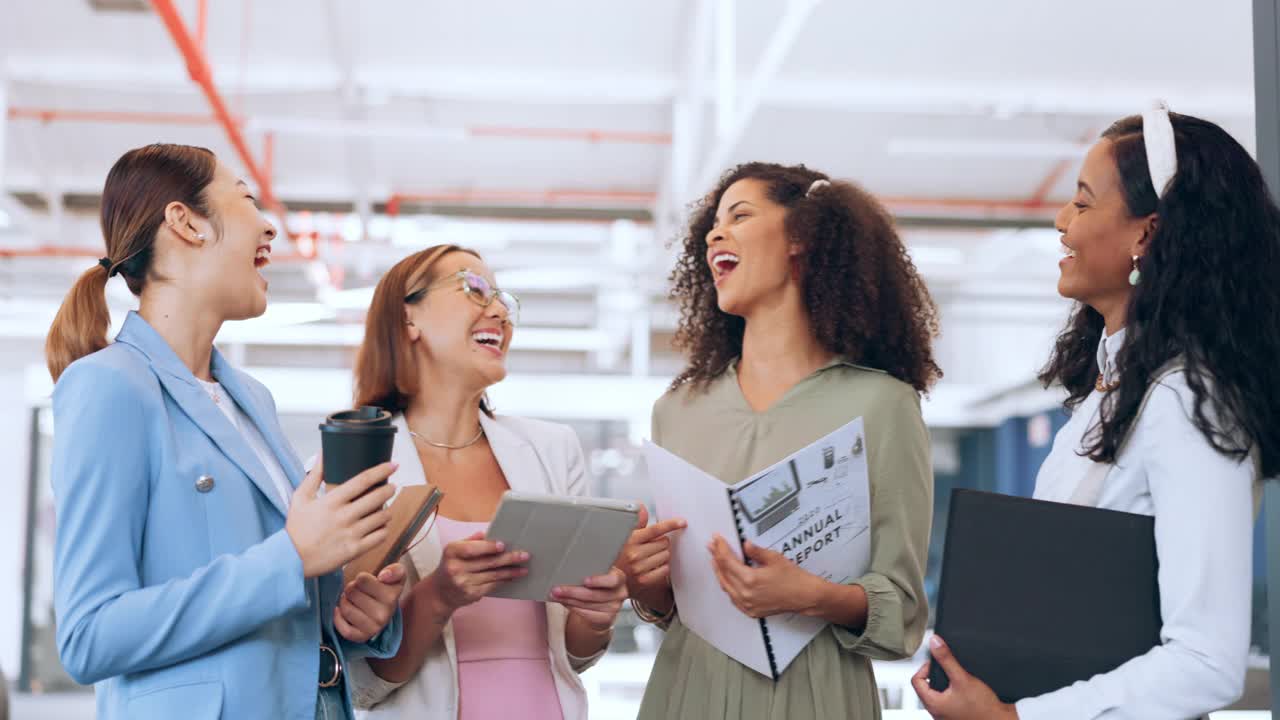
(504, 665)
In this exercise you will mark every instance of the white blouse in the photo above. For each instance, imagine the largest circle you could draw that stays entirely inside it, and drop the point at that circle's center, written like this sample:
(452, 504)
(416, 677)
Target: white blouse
(1204, 505)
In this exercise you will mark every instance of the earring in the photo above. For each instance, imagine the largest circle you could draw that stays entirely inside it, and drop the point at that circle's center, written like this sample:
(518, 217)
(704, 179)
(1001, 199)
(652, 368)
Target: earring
(1135, 276)
(200, 236)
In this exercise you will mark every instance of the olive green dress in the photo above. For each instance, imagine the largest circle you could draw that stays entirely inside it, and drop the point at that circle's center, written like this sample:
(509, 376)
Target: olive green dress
(718, 431)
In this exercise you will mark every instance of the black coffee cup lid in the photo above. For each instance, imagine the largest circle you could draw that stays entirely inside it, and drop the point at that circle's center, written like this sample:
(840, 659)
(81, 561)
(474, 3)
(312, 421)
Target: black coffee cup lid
(362, 419)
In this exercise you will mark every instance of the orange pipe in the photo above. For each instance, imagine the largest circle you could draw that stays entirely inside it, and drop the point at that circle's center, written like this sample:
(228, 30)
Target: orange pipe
(586, 135)
(78, 251)
(520, 196)
(111, 116)
(199, 70)
(202, 21)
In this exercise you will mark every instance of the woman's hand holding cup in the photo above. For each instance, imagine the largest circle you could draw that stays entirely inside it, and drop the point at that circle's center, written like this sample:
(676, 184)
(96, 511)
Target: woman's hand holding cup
(348, 520)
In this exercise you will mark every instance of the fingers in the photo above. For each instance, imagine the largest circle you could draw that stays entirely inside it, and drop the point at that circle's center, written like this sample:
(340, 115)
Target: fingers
(345, 629)
(370, 502)
(516, 558)
(393, 574)
(357, 617)
(940, 651)
(643, 518)
(370, 541)
(920, 683)
(371, 522)
(658, 530)
(491, 578)
(472, 549)
(349, 490)
(310, 484)
(654, 578)
(587, 595)
(383, 593)
(652, 562)
(612, 579)
(727, 562)
(761, 555)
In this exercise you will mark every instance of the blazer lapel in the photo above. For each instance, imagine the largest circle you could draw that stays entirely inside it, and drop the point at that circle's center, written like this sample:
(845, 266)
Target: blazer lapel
(196, 403)
(519, 461)
(266, 421)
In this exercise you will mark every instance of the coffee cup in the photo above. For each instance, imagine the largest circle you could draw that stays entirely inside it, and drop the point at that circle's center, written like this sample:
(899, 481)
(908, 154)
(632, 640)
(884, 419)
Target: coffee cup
(355, 440)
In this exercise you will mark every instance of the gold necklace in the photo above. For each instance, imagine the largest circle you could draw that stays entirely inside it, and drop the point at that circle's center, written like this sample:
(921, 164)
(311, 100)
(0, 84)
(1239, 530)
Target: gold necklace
(446, 446)
(1105, 387)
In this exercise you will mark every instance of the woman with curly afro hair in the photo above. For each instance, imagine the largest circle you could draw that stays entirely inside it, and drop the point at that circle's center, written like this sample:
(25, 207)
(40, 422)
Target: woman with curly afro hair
(1172, 252)
(800, 311)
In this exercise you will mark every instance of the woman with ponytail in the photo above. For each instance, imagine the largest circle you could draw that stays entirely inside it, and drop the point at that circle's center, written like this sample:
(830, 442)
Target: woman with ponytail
(196, 571)
(800, 311)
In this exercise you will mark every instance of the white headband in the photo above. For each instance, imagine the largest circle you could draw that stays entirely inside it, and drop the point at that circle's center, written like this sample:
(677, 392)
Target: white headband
(1162, 153)
(816, 185)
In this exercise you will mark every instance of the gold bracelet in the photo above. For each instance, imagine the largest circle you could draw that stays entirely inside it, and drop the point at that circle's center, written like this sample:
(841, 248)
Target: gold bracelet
(651, 617)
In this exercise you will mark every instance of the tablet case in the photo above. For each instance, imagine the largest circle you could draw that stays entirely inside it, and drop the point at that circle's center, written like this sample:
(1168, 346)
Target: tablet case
(1036, 595)
(568, 539)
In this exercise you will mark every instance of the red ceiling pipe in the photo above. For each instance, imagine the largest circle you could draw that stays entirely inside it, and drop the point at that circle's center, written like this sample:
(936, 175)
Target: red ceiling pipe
(625, 197)
(79, 251)
(111, 116)
(202, 21)
(586, 135)
(198, 68)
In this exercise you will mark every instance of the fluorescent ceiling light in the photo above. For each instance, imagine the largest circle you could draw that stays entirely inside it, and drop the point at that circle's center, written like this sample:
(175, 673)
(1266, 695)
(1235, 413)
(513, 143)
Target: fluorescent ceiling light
(986, 148)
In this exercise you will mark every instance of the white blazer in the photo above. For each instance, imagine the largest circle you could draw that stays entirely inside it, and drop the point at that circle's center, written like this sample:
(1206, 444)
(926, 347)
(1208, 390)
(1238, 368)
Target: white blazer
(536, 457)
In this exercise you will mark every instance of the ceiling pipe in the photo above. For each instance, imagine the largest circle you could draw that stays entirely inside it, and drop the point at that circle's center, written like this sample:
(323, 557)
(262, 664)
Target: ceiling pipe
(533, 197)
(52, 115)
(80, 251)
(198, 67)
(301, 126)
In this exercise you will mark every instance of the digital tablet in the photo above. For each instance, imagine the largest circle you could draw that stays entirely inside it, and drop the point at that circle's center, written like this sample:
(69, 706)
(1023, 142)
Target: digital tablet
(569, 539)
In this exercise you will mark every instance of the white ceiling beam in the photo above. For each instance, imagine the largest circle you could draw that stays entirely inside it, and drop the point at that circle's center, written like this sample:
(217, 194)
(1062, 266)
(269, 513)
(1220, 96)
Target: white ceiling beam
(726, 66)
(775, 52)
(687, 110)
(605, 87)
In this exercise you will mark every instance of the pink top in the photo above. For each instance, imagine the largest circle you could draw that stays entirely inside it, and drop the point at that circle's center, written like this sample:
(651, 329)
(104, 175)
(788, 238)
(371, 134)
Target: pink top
(504, 664)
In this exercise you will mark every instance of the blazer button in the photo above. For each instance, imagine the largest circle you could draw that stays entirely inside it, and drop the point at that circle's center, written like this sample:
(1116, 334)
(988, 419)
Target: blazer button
(204, 483)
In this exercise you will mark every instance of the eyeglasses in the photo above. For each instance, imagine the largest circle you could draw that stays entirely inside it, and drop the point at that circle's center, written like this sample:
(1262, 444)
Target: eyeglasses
(477, 289)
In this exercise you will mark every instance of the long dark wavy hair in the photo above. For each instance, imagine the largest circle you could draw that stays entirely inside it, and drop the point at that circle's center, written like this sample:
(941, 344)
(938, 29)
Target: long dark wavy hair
(865, 300)
(1209, 294)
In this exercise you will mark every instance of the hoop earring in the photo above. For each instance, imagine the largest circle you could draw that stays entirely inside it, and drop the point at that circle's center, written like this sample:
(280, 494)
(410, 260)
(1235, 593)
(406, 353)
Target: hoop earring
(1135, 276)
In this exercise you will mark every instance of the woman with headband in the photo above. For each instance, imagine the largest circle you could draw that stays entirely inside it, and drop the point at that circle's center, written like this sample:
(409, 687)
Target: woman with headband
(1172, 246)
(196, 572)
(800, 311)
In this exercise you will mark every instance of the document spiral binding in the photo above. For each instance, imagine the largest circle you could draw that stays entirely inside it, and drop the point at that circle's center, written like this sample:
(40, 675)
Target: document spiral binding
(742, 539)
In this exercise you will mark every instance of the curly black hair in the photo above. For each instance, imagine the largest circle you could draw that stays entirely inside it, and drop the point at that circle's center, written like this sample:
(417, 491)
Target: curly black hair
(1208, 294)
(865, 300)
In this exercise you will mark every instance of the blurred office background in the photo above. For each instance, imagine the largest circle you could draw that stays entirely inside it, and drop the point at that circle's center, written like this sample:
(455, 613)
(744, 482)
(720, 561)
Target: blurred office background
(566, 142)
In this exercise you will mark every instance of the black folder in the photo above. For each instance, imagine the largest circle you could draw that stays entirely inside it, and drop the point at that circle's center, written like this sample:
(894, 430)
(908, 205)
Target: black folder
(1037, 595)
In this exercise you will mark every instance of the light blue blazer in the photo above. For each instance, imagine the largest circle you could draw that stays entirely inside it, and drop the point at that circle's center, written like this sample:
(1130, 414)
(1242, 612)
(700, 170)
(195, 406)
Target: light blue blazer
(180, 601)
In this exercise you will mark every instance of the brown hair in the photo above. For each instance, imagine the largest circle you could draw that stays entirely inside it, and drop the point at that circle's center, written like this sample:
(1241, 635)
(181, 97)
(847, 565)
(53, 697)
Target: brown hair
(864, 298)
(139, 187)
(385, 373)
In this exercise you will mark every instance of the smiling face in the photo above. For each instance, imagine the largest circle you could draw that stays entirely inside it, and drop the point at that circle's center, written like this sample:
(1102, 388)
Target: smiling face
(237, 246)
(452, 332)
(1099, 236)
(748, 252)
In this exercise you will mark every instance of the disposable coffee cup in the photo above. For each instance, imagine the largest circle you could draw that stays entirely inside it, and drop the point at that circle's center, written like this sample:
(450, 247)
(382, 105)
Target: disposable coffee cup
(353, 441)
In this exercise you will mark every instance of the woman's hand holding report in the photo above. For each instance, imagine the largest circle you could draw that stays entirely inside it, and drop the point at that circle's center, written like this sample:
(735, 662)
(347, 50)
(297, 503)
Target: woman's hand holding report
(646, 561)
